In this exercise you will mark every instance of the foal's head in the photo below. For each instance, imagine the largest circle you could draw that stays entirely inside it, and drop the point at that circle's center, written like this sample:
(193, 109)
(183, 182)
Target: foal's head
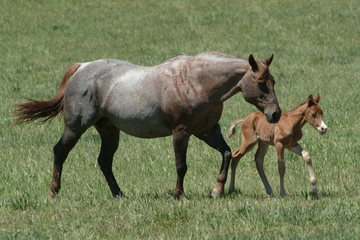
(258, 89)
(314, 114)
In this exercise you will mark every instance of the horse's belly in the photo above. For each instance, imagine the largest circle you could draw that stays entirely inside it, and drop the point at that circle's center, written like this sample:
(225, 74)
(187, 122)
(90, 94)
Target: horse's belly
(143, 128)
(146, 121)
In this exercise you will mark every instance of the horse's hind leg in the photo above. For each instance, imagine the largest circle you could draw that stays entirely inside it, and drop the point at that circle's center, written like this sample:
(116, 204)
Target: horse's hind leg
(249, 141)
(281, 167)
(306, 156)
(214, 139)
(61, 151)
(109, 143)
(259, 162)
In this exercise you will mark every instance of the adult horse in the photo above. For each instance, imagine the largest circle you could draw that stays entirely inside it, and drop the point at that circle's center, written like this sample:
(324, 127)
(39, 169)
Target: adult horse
(181, 97)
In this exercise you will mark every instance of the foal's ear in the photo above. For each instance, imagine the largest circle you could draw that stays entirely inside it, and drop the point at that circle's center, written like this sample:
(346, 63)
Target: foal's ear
(317, 99)
(253, 63)
(269, 60)
(310, 99)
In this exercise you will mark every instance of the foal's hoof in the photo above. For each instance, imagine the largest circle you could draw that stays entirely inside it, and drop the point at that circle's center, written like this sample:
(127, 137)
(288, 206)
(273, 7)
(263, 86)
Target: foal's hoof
(51, 197)
(217, 194)
(314, 194)
(272, 196)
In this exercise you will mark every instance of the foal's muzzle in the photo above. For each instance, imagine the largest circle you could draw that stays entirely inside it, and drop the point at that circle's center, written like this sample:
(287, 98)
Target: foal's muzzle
(322, 128)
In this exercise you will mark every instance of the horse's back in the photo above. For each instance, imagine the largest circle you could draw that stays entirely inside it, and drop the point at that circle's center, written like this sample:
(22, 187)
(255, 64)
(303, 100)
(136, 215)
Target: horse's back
(120, 91)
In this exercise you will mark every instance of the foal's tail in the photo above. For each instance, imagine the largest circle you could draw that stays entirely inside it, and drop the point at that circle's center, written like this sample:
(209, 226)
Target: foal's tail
(34, 109)
(233, 127)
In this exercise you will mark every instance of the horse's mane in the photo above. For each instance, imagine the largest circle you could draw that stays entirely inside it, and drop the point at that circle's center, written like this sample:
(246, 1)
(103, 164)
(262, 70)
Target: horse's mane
(295, 108)
(209, 55)
(219, 55)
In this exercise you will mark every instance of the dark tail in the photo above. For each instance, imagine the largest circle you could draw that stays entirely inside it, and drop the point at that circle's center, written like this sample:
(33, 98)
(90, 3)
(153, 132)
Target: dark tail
(34, 109)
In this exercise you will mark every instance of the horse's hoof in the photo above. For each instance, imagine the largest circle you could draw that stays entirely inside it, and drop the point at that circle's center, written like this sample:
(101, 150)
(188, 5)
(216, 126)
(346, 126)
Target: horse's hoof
(314, 194)
(283, 196)
(51, 196)
(272, 196)
(216, 193)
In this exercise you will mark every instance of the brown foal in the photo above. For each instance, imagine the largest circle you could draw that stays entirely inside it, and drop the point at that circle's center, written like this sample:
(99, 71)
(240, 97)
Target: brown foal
(284, 134)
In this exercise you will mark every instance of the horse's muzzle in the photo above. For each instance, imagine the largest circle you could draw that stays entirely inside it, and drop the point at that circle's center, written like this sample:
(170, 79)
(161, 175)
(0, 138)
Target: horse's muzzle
(322, 129)
(274, 117)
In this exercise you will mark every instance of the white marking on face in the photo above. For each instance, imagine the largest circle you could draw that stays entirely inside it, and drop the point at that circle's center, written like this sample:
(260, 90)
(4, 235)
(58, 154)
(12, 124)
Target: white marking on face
(322, 128)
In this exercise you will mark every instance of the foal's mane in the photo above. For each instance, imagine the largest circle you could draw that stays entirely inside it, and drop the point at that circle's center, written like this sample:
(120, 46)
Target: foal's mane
(300, 105)
(295, 108)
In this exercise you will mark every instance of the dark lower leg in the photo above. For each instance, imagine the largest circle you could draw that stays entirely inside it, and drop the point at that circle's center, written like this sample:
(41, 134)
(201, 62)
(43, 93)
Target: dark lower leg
(109, 144)
(180, 143)
(61, 151)
(214, 139)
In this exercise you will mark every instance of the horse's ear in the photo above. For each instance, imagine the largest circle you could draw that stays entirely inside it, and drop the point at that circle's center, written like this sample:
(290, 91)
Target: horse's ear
(310, 100)
(253, 63)
(269, 60)
(317, 99)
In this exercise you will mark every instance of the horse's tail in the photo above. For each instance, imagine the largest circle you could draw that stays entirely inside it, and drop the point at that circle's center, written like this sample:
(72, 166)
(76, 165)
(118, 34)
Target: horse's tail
(233, 127)
(34, 109)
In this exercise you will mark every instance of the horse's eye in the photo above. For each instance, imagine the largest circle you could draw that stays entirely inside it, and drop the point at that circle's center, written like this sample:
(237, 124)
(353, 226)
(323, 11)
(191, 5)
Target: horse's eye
(261, 84)
(262, 97)
(313, 115)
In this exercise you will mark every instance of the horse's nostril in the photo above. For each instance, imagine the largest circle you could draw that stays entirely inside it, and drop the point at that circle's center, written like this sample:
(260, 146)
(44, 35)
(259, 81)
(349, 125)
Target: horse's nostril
(275, 117)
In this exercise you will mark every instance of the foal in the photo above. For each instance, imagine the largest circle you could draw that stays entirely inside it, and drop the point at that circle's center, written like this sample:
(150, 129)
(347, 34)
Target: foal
(285, 134)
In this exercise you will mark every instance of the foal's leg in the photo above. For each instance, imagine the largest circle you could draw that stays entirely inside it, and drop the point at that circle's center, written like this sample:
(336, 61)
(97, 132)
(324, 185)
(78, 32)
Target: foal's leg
(109, 143)
(214, 139)
(281, 166)
(259, 162)
(249, 141)
(61, 151)
(180, 142)
(306, 156)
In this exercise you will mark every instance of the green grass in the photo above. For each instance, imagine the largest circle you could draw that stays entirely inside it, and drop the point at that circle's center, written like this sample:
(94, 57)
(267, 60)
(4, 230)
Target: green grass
(317, 50)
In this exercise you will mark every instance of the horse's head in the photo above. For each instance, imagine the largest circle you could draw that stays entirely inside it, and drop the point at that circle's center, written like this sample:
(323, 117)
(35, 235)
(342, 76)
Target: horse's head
(314, 114)
(258, 89)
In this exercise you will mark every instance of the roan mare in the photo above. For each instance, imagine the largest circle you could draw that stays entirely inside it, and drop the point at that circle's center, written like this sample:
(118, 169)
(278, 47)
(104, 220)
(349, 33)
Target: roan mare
(284, 134)
(181, 97)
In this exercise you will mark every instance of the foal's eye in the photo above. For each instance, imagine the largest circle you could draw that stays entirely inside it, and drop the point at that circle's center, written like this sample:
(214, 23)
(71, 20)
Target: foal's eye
(313, 115)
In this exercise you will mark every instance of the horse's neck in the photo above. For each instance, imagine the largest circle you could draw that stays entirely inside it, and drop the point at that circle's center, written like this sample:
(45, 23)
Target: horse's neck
(297, 116)
(223, 77)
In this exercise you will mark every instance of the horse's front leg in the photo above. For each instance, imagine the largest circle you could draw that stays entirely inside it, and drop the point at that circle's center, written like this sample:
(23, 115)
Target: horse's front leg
(306, 156)
(180, 142)
(214, 139)
(281, 167)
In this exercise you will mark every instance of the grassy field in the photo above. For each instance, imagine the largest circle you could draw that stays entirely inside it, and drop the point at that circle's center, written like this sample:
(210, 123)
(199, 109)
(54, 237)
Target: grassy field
(317, 50)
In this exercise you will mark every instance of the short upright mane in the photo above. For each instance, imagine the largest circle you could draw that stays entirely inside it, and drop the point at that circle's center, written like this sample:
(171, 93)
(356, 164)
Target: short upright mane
(219, 55)
(214, 56)
(292, 110)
